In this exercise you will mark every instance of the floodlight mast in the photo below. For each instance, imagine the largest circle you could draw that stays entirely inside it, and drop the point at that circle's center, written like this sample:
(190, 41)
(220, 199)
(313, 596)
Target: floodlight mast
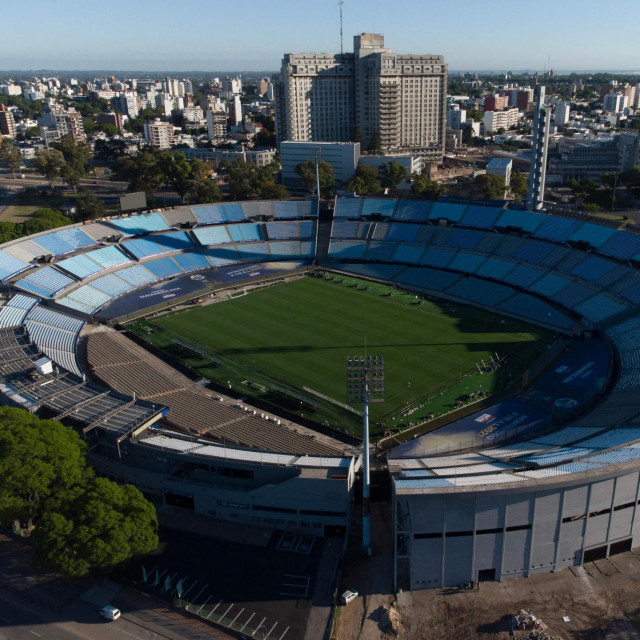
(365, 384)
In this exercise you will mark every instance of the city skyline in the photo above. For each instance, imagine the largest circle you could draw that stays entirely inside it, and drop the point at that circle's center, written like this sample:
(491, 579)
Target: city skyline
(152, 36)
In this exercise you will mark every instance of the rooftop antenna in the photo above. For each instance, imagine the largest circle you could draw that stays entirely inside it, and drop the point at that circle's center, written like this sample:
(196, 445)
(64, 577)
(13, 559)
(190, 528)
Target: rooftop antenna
(340, 3)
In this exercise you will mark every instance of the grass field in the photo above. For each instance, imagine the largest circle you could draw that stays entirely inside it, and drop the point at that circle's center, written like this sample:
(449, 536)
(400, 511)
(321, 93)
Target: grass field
(299, 333)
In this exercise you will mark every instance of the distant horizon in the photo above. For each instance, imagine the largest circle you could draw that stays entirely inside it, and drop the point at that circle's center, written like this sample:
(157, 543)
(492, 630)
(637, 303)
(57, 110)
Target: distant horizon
(267, 72)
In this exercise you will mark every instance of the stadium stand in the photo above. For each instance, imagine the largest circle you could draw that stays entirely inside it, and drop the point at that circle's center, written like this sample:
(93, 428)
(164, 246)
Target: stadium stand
(140, 224)
(64, 241)
(46, 282)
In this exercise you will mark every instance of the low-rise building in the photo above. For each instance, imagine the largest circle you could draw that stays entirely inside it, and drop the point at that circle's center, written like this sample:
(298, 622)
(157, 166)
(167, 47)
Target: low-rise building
(501, 167)
(495, 120)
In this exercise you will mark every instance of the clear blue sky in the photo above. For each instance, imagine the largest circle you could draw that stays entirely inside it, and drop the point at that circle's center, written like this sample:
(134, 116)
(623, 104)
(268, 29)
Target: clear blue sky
(225, 35)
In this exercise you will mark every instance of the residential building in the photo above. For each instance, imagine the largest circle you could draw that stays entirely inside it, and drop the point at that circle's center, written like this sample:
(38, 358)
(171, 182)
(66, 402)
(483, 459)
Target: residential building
(258, 158)
(56, 123)
(216, 125)
(11, 89)
(495, 102)
(111, 118)
(398, 98)
(159, 134)
(562, 113)
(128, 103)
(232, 85)
(501, 167)
(235, 112)
(614, 102)
(342, 156)
(7, 123)
(495, 120)
(456, 116)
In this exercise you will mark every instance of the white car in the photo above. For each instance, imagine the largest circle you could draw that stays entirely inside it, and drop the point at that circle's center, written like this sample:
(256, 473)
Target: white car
(348, 596)
(110, 612)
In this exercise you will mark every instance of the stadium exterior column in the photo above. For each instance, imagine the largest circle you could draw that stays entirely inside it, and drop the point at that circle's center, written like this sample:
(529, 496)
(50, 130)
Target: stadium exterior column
(366, 486)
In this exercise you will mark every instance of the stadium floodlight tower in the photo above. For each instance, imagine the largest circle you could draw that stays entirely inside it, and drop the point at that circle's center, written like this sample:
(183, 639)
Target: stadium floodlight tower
(365, 384)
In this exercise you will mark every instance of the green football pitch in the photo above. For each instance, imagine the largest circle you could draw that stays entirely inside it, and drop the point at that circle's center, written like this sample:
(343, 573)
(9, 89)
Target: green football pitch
(298, 334)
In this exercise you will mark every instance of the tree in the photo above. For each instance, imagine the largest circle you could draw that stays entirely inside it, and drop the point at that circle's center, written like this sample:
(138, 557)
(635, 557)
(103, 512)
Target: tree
(43, 220)
(70, 177)
(501, 131)
(273, 191)
(375, 144)
(307, 172)
(423, 186)
(40, 461)
(492, 186)
(145, 172)
(10, 156)
(88, 205)
(49, 163)
(75, 155)
(239, 173)
(177, 171)
(392, 174)
(207, 191)
(475, 115)
(631, 180)
(519, 186)
(109, 150)
(365, 181)
(101, 527)
(356, 134)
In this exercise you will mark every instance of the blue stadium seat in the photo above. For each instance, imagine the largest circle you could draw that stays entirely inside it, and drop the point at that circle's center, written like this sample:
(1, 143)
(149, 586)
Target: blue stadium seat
(557, 229)
(284, 250)
(481, 217)
(348, 208)
(137, 276)
(526, 220)
(108, 257)
(599, 307)
(112, 285)
(192, 261)
(245, 232)
(594, 234)
(550, 284)
(426, 278)
(452, 212)
(415, 210)
(137, 225)
(592, 268)
(380, 206)
(344, 249)
(163, 267)
(533, 251)
(465, 239)
(208, 236)
(496, 268)
(480, 291)
(65, 241)
(380, 251)
(295, 209)
(523, 275)
(47, 281)
(532, 308)
(467, 262)
(572, 294)
(403, 232)
(435, 257)
(621, 245)
(408, 253)
(10, 266)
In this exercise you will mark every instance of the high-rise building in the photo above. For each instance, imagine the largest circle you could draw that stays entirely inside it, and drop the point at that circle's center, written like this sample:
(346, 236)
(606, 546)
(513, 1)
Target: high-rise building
(495, 102)
(562, 113)
(56, 123)
(396, 101)
(7, 123)
(216, 125)
(159, 134)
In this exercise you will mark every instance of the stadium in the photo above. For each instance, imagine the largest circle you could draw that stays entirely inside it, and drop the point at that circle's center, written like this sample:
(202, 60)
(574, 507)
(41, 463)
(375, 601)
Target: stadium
(542, 479)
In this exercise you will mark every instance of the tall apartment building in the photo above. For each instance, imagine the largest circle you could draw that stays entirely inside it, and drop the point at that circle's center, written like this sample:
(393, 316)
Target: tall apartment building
(323, 97)
(216, 125)
(495, 102)
(7, 123)
(56, 123)
(494, 120)
(562, 113)
(159, 134)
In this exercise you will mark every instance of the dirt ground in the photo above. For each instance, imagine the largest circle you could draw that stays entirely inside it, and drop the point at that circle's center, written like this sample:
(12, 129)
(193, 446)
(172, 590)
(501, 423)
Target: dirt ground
(601, 600)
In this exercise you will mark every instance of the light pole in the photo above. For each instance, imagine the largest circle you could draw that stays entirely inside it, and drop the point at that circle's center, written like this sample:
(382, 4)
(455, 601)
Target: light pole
(365, 384)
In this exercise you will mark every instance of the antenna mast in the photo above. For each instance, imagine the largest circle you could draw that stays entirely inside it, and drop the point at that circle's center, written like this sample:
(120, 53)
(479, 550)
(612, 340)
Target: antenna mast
(340, 3)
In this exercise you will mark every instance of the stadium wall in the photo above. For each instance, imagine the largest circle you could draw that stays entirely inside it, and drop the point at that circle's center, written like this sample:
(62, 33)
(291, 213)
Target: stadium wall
(443, 539)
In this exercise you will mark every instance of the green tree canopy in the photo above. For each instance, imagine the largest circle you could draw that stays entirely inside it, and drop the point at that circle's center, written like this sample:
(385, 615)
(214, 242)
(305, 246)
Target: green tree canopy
(49, 163)
(273, 191)
(101, 527)
(631, 180)
(307, 172)
(392, 175)
(366, 180)
(10, 156)
(375, 144)
(492, 186)
(75, 155)
(177, 170)
(423, 186)
(144, 172)
(43, 220)
(40, 461)
(519, 186)
(88, 205)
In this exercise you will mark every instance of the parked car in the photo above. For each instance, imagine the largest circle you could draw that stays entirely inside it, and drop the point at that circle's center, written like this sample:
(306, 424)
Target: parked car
(110, 612)
(348, 596)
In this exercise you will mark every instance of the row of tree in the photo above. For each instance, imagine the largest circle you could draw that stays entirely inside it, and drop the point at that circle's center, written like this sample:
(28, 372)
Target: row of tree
(80, 523)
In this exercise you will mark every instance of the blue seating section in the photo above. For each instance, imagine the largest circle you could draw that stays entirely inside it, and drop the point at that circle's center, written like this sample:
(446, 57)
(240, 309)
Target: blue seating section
(81, 266)
(572, 294)
(208, 236)
(496, 268)
(467, 262)
(65, 241)
(403, 232)
(254, 252)
(192, 261)
(109, 257)
(345, 250)
(479, 291)
(347, 208)
(284, 250)
(452, 212)
(435, 257)
(599, 307)
(557, 229)
(295, 209)
(425, 278)
(137, 225)
(481, 217)
(380, 251)
(86, 299)
(594, 234)
(155, 245)
(465, 239)
(550, 284)
(416, 210)
(137, 276)
(408, 253)
(621, 245)
(245, 232)
(378, 271)
(10, 266)
(287, 230)
(218, 213)
(46, 282)
(532, 308)
(13, 313)
(523, 275)
(378, 205)
(525, 220)
(592, 268)
(626, 337)
(533, 251)
(112, 285)
(164, 267)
